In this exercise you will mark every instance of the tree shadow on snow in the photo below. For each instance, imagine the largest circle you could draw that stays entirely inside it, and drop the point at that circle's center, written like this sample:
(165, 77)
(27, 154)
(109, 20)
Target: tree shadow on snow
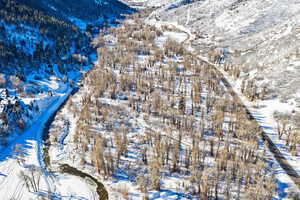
(168, 194)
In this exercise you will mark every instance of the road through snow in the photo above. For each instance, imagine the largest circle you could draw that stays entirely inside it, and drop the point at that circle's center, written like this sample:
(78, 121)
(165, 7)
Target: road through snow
(31, 141)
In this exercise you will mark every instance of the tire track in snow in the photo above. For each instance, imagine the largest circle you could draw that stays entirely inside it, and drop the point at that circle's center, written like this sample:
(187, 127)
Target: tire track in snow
(6, 174)
(54, 108)
(33, 136)
(188, 15)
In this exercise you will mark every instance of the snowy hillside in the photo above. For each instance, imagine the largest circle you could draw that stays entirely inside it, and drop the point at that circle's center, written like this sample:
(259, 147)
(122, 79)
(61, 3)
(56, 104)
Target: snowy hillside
(262, 37)
(43, 48)
(89, 10)
(158, 3)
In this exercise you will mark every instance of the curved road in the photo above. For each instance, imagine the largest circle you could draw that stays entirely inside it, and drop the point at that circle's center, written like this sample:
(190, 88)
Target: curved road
(31, 142)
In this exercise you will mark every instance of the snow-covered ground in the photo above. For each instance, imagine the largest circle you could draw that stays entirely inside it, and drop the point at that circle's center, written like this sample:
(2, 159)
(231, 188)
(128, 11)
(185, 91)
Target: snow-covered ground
(149, 3)
(179, 37)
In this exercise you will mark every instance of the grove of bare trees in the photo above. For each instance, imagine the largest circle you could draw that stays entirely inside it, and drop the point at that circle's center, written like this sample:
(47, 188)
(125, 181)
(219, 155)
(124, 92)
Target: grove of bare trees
(146, 113)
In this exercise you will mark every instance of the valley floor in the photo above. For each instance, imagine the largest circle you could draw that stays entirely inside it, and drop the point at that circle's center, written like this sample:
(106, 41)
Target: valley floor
(125, 181)
(153, 120)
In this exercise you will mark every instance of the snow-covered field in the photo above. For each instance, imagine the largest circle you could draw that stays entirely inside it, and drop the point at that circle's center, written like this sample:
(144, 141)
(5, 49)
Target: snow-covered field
(149, 3)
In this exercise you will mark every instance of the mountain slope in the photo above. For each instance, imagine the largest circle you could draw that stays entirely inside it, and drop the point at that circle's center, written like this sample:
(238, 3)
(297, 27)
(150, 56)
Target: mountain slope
(82, 9)
(41, 50)
(262, 38)
(38, 22)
